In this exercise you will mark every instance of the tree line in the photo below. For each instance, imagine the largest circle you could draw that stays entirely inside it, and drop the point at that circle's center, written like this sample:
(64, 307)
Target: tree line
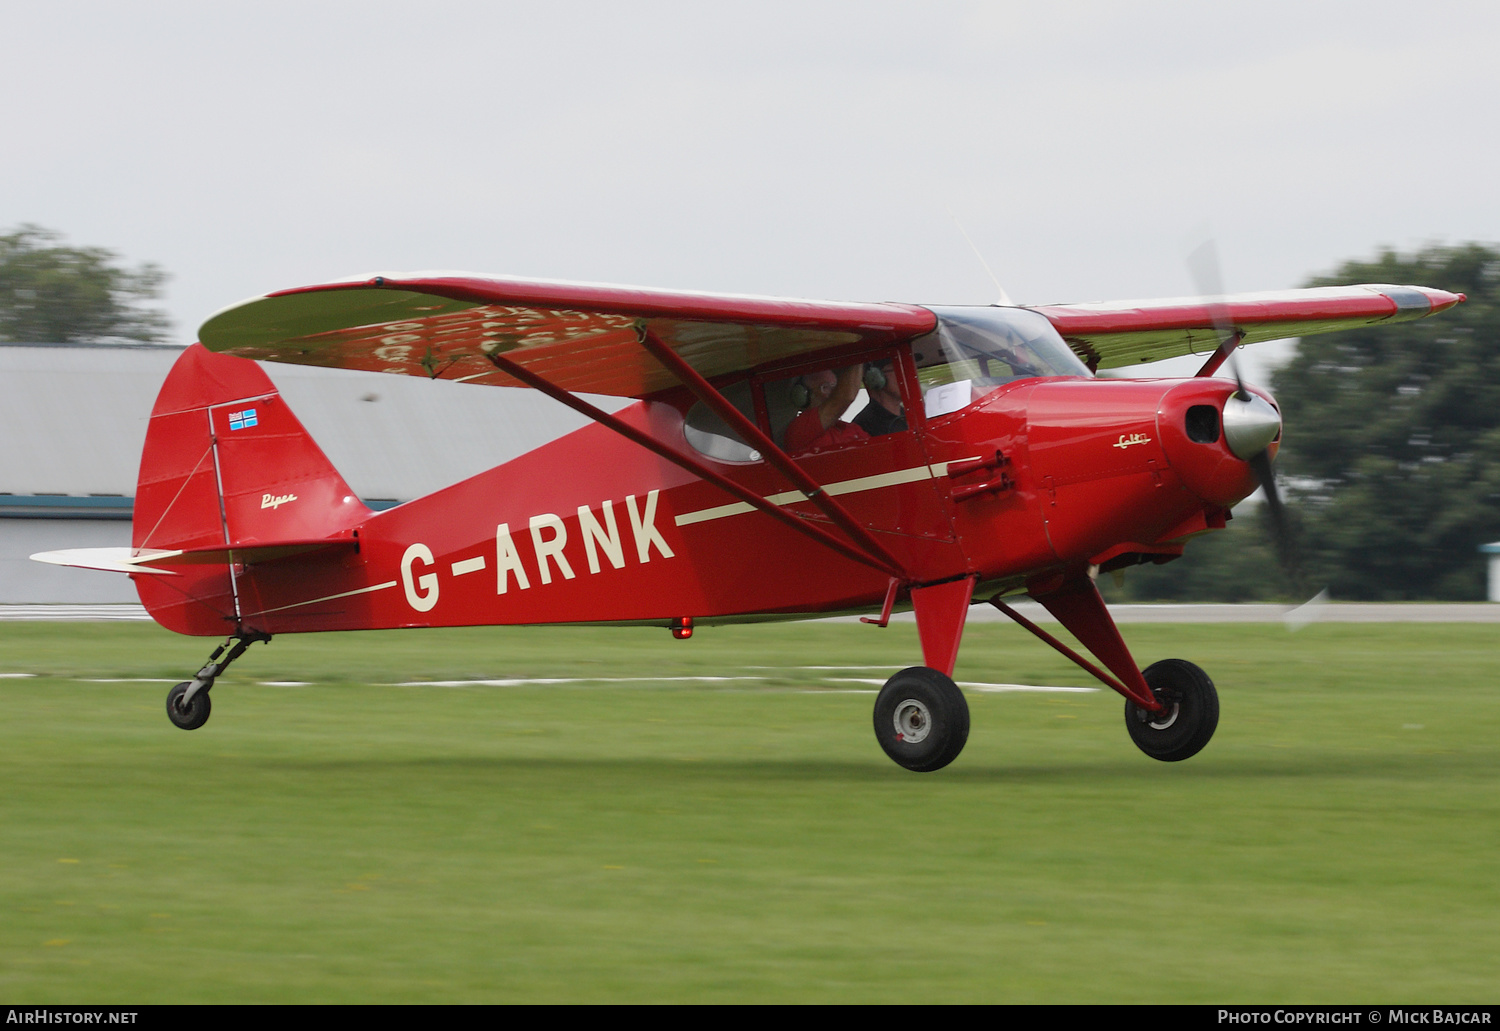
(52, 293)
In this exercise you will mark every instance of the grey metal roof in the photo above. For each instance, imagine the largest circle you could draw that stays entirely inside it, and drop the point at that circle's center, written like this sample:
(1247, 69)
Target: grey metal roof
(73, 420)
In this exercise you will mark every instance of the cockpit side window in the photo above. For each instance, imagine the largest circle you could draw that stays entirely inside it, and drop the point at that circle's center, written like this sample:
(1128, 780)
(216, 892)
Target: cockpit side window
(974, 350)
(817, 409)
(712, 436)
(825, 408)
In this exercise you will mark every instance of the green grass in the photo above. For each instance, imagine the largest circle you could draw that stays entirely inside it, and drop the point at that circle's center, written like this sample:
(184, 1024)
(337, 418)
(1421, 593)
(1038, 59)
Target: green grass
(354, 841)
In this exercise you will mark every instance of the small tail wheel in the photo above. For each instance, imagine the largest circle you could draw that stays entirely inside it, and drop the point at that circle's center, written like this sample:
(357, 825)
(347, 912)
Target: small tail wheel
(921, 719)
(1189, 718)
(194, 714)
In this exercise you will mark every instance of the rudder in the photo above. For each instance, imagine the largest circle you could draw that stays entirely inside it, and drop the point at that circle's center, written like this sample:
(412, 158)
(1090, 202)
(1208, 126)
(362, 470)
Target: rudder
(226, 462)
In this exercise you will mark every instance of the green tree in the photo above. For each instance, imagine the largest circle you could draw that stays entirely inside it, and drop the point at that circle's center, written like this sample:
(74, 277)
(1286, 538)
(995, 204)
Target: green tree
(1391, 462)
(56, 294)
(1393, 443)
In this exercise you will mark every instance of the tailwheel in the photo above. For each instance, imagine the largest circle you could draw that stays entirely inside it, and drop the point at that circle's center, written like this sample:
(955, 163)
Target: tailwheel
(194, 713)
(1188, 719)
(921, 719)
(187, 703)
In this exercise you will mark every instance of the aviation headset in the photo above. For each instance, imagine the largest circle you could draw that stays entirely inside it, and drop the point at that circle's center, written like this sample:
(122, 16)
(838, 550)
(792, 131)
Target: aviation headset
(873, 379)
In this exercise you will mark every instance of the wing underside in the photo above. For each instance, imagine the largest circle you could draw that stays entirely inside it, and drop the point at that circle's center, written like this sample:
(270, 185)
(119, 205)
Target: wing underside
(587, 338)
(1119, 333)
(581, 337)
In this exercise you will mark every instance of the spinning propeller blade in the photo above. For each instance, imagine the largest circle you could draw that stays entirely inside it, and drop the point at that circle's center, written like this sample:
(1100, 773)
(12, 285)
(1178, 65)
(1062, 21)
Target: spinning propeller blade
(1251, 424)
(1203, 262)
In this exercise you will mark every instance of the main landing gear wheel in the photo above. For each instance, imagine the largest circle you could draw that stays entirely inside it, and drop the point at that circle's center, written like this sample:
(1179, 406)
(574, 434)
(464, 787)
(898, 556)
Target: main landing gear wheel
(194, 714)
(1181, 729)
(921, 719)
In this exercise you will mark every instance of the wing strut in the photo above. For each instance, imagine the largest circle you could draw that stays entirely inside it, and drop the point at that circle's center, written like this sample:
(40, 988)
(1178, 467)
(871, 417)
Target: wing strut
(1224, 350)
(778, 458)
(693, 466)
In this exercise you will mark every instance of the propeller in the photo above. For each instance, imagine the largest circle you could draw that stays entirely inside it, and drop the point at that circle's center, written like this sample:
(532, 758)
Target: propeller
(1003, 298)
(1251, 424)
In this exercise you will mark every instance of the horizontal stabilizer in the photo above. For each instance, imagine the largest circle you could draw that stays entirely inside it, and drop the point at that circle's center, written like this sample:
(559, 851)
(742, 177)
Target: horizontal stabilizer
(159, 561)
(111, 560)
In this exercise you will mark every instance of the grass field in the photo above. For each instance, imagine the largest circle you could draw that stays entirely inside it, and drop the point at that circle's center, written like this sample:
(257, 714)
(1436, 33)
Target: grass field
(352, 840)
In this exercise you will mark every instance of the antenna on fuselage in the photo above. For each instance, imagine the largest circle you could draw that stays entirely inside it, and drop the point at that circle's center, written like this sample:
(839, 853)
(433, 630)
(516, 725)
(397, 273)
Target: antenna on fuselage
(1004, 297)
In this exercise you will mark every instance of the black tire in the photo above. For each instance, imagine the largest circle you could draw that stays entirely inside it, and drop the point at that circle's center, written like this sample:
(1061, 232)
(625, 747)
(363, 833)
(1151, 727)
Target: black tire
(1190, 718)
(921, 719)
(196, 713)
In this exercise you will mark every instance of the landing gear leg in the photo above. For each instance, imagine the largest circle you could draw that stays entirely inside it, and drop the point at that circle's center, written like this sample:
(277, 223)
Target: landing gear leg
(188, 705)
(1171, 710)
(921, 716)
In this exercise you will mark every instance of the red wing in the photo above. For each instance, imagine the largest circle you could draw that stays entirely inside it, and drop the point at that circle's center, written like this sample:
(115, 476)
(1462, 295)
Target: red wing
(1118, 333)
(581, 336)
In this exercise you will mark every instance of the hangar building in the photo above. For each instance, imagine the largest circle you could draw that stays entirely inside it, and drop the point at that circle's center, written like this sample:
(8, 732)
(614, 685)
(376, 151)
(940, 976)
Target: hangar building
(73, 420)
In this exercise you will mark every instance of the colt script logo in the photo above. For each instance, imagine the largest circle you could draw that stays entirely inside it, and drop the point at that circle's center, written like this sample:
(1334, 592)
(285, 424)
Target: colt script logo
(1127, 439)
(276, 500)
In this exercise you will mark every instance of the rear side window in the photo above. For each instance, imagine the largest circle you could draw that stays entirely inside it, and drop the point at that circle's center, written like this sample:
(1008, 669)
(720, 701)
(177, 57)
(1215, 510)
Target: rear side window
(712, 436)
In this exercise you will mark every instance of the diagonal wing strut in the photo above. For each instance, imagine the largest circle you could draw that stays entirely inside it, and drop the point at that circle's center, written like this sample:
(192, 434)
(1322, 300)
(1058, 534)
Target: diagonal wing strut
(704, 391)
(883, 563)
(1224, 350)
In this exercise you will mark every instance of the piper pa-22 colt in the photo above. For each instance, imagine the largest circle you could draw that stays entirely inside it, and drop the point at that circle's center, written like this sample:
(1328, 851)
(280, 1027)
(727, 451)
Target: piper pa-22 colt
(747, 484)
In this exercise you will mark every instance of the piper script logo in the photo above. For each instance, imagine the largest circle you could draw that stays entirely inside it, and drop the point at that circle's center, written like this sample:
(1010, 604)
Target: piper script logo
(276, 500)
(1127, 439)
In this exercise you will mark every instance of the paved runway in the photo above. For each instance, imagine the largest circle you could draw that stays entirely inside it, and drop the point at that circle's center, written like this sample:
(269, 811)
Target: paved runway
(1326, 612)
(1320, 612)
(72, 613)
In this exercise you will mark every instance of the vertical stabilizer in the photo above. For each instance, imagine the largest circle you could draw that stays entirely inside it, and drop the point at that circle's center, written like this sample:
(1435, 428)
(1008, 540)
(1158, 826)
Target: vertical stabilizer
(226, 463)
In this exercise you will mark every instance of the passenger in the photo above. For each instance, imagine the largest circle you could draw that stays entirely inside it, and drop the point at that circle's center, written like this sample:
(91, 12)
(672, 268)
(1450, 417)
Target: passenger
(884, 414)
(820, 425)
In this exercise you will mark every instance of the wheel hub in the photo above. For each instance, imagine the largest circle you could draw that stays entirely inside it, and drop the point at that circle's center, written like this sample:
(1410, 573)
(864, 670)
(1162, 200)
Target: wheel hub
(1164, 719)
(912, 721)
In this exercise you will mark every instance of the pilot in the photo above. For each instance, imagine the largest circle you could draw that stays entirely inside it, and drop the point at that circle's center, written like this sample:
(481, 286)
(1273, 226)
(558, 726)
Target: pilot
(820, 423)
(1015, 354)
(884, 414)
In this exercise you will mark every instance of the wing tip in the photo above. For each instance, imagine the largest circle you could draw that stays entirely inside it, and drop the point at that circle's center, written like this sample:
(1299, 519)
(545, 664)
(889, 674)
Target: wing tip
(1415, 302)
(1442, 300)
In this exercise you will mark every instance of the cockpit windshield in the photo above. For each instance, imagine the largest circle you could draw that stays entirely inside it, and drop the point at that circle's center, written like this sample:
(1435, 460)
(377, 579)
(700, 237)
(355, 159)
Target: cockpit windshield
(973, 350)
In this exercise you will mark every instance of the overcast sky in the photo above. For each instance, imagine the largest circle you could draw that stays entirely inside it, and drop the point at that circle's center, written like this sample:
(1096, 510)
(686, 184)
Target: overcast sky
(805, 149)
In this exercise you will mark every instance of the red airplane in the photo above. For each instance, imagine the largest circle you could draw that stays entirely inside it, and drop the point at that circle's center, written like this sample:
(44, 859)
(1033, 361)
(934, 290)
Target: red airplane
(746, 485)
